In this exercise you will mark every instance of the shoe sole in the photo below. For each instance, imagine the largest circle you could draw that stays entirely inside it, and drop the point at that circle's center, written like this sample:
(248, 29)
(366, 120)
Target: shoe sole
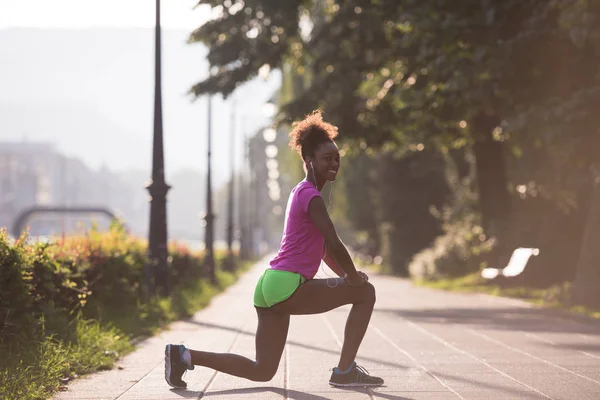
(168, 367)
(355, 384)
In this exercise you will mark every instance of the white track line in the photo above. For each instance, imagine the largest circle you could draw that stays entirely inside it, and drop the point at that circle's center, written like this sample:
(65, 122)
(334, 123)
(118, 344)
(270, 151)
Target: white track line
(445, 343)
(332, 331)
(139, 381)
(486, 337)
(286, 372)
(339, 343)
(214, 375)
(414, 360)
(588, 337)
(161, 364)
(545, 340)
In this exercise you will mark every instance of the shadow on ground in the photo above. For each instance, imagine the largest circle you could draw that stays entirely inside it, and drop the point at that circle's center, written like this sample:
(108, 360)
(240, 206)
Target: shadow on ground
(292, 394)
(289, 394)
(294, 343)
(510, 319)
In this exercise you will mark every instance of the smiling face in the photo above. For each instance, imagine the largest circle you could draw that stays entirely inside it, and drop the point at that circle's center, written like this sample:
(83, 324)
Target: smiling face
(326, 162)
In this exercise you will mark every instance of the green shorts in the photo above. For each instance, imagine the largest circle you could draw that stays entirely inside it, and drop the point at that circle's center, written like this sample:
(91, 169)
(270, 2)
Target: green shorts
(275, 286)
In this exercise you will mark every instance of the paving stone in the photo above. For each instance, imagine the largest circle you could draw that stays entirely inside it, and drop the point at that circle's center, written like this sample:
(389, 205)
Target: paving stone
(426, 344)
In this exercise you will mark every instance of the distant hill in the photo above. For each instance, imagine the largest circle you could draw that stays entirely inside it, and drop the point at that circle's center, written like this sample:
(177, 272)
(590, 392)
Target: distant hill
(90, 91)
(79, 129)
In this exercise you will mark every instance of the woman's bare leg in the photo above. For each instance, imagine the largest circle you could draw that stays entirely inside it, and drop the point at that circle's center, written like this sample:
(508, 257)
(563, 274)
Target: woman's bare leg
(317, 296)
(271, 335)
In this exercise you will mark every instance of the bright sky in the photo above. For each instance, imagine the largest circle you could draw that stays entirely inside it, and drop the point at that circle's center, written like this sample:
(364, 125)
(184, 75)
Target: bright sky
(175, 14)
(41, 72)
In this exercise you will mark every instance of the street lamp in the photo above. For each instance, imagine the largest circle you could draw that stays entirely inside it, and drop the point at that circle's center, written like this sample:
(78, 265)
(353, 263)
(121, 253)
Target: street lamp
(230, 263)
(209, 258)
(243, 207)
(158, 188)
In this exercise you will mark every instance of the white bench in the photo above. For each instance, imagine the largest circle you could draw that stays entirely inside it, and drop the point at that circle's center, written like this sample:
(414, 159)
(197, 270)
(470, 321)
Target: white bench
(516, 265)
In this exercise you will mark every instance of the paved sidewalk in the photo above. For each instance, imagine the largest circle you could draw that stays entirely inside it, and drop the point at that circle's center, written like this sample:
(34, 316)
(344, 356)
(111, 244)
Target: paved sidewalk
(426, 344)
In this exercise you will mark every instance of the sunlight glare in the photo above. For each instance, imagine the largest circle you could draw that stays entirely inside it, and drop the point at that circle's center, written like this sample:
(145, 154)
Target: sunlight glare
(76, 14)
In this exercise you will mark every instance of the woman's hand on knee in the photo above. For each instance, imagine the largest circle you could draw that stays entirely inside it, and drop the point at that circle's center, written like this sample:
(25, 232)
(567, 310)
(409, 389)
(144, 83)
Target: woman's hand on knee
(364, 276)
(356, 279)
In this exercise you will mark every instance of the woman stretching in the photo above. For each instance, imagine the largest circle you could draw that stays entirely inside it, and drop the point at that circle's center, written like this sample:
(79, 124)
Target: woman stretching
(288, 288)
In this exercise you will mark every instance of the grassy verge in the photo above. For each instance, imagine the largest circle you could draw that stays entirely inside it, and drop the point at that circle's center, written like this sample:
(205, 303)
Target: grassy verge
(75, 307)
(184, 302)
(41, 367)
(556, 297)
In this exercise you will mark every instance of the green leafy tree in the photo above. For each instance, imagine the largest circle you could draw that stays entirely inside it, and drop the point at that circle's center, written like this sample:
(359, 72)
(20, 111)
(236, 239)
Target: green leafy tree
(514, 82)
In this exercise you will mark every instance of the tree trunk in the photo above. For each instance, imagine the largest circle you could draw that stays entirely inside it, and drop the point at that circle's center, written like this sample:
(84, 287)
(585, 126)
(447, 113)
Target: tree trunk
(408, 188)
(490, 165)
(361, 203)
(587, 279)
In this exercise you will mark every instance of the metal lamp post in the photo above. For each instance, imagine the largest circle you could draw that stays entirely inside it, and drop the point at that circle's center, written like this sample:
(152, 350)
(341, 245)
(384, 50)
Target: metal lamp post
(243, 210)
(158, 188)
(209, 258)
(230, 262)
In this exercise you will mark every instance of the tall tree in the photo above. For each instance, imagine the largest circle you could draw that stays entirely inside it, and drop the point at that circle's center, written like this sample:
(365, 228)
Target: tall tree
(515, 80)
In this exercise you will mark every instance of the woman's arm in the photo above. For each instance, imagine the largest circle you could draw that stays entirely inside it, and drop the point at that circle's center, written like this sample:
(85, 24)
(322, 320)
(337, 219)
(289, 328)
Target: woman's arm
(332, 264)
(320, 217)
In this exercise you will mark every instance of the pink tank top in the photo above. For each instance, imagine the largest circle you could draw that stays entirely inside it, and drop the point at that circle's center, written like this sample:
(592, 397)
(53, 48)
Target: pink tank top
(302, 244)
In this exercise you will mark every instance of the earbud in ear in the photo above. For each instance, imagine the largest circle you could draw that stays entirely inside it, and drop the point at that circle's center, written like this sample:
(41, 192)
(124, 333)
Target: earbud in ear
(313, 173)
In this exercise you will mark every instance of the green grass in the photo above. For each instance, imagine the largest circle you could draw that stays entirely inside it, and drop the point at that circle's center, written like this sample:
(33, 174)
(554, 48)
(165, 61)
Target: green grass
(147, 319)
(555, 297)
(40, 368)
(36, 370)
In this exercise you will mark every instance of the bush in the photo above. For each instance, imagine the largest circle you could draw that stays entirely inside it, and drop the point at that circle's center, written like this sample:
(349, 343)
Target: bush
(460, 250)
(71, 306)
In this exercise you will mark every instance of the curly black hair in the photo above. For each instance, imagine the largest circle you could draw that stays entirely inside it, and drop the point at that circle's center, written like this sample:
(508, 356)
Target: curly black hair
(309, 133)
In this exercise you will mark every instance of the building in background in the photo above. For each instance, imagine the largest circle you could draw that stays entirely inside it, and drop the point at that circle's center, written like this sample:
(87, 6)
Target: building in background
(36, 174)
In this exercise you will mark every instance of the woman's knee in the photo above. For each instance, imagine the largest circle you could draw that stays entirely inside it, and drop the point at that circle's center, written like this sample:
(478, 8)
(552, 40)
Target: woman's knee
(264, 373)
(369, 293)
